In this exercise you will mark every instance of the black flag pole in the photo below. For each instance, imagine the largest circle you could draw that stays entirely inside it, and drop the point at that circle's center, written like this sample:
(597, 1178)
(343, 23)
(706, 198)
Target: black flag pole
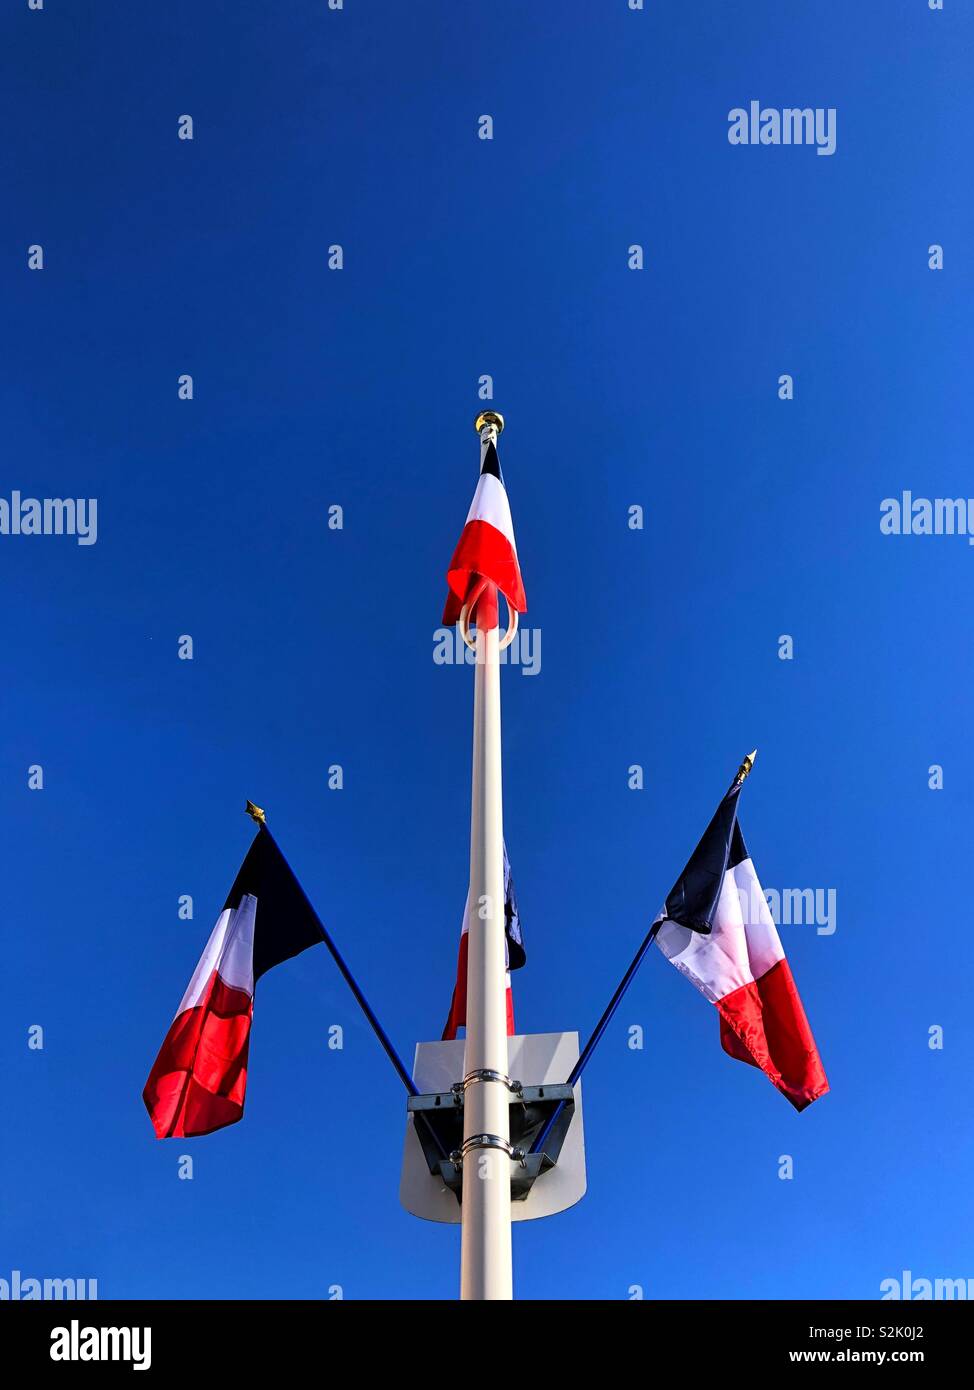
(257, 814)
(600, 1028)
(623, 985)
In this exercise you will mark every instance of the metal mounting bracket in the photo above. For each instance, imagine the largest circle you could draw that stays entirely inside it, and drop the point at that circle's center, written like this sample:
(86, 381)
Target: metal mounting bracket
(530, 1109)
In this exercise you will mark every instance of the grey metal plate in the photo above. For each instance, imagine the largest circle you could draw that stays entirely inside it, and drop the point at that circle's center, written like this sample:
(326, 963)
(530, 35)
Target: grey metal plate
(535, 1059)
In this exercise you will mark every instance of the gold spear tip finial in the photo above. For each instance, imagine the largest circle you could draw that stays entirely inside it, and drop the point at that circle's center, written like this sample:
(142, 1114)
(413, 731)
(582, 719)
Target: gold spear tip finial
(745, 767)
(256, 813)
(489, 417)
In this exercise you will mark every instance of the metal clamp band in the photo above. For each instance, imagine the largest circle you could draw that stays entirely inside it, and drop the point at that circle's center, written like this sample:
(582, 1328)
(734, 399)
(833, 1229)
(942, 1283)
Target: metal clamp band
(485, 1141)
(486, 1074)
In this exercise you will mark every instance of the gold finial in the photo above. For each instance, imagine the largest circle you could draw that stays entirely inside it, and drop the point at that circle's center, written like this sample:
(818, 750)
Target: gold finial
(489, 417)
(256, 813)
(745, 768)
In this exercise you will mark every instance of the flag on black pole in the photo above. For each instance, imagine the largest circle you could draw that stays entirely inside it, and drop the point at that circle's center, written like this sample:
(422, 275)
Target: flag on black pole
(199, 1079)
(716, 928)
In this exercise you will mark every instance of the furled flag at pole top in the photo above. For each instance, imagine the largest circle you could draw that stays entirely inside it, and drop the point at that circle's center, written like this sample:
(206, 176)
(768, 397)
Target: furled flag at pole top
(716, 928)
(514, 943)
(486, 548)
(199, 1079)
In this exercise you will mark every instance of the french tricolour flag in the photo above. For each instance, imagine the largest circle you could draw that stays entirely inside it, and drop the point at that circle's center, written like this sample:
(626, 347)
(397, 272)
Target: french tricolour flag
(514, 944)
(486, 548)
(199, 1080)
(715, 927)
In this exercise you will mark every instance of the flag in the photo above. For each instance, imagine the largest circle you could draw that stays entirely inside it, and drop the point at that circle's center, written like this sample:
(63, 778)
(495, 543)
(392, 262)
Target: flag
(514, 945)
(716, 928)
(486, 548)
(199, 1079)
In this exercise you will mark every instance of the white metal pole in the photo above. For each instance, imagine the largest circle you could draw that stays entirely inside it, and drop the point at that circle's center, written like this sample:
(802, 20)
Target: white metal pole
(485, 1248)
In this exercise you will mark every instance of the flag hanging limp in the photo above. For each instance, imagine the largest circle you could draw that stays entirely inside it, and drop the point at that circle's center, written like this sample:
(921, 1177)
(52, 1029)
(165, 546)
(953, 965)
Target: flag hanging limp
(514, 945)
(199, 1080)
(716, 928)
(486, 547)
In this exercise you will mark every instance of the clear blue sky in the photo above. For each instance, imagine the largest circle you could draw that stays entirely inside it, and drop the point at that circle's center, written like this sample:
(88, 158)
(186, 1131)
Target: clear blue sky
(317, 387)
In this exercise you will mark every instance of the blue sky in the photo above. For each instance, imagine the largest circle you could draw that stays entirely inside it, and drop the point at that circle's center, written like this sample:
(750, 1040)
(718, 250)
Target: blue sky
(358, 387)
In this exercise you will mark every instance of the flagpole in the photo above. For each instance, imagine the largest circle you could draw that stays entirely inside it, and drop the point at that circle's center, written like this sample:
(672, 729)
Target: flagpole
(485, 1245)
(259, 817)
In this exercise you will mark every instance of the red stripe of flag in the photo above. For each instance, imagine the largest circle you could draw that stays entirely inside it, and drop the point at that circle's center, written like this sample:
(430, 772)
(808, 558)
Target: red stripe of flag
(198, 1082)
